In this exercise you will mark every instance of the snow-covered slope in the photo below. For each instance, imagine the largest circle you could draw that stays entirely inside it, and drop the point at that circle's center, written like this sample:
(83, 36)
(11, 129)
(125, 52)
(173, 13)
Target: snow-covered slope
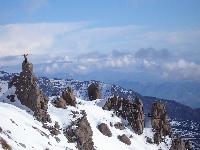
(188, 129)
(22, 131)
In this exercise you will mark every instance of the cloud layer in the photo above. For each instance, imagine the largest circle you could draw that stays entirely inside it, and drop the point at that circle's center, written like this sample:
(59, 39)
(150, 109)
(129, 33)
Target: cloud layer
(83, 37)
(80, 48)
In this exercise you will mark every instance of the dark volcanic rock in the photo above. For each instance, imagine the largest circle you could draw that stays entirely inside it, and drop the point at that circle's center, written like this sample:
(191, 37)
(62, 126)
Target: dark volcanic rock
(160, 122)
(94, 91)
(28, 93)
(123, 138)
(104, 129)
(133, 112)
(69, 97)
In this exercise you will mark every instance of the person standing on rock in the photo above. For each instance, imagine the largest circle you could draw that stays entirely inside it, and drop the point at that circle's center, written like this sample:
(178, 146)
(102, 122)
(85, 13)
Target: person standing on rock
(25, 58)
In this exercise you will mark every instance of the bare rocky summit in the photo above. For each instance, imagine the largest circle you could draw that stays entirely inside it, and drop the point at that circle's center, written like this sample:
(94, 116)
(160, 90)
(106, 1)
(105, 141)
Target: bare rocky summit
(28, 92)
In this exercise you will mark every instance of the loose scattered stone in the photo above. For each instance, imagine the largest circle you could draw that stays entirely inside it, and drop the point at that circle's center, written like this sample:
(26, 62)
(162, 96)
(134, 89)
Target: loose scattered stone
(149, 140)
(11, 98)
(119, 125)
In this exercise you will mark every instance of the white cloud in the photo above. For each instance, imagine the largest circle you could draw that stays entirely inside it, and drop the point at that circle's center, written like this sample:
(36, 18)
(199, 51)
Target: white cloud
(81, 37)
(182, 69)
(65, 46)
(37, 38)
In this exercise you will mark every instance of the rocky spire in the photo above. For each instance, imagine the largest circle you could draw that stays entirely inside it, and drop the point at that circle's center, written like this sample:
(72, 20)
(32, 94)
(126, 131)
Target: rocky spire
(94, 91)
(160, 122)
(28, 93)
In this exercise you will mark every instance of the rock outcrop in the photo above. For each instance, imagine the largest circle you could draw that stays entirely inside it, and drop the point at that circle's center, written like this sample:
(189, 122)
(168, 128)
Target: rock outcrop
(94, 91)
(66, 99)
(60, 103)
(69, 97)
(133, 112)
(159, 121)
(104, 129)
(4, 144)
(82, 135)
(180, 144)
(28, 92)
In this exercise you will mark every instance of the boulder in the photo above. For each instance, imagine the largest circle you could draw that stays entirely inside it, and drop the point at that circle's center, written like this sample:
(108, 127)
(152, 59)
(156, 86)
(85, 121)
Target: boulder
(104, 129)
(123, 138)
(94, 91)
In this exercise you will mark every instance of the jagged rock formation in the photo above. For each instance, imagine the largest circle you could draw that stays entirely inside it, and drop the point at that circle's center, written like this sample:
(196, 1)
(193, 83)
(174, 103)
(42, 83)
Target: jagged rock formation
(104, 129)
(94, 91)
(82, 134)
(28, 92)
(69, 97)
(123, 138)
(180, 144)
(133, 112)
(160, 122)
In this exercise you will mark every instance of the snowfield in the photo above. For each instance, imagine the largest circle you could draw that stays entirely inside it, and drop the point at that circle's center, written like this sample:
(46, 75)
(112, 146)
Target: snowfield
(22, 131)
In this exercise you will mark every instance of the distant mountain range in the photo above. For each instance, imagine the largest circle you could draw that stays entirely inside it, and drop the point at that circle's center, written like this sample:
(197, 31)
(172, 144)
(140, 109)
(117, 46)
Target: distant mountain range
(185, 92)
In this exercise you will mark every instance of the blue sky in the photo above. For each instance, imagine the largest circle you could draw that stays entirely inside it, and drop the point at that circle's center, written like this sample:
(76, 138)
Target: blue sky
(161, 14)
(158, 38)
